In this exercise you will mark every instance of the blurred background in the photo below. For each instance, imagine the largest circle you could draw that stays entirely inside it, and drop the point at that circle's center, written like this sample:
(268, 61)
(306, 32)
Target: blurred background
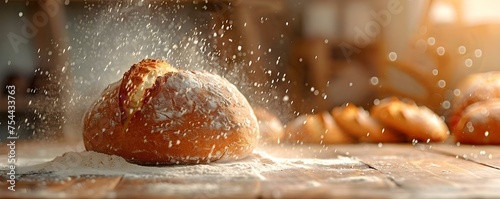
(292, 56)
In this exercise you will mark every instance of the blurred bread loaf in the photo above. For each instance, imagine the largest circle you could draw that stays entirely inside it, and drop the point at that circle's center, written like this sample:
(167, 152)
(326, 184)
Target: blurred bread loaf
(317, 129)
(357, 122)
(416, 122)
(474, 88)
(271, 128)
(479, 123)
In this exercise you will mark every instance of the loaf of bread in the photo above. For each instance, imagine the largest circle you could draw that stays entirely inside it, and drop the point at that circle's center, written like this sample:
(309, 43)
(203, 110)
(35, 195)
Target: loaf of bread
(358, 122)
(271, 128)
(157, 114)
(479, 123)
(316, 129)
(416, 122)
(474, 88)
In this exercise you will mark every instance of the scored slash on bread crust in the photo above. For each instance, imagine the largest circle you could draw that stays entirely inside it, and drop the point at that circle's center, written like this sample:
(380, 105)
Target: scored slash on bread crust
(135, 81)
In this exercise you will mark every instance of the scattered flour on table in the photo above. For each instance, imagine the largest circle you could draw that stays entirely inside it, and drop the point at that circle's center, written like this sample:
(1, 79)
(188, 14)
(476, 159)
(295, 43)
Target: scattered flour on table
(190, 181)
(93, 163)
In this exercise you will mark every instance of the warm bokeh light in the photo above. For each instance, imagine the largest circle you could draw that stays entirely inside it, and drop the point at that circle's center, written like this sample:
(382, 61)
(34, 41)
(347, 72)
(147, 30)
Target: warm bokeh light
(478, 12)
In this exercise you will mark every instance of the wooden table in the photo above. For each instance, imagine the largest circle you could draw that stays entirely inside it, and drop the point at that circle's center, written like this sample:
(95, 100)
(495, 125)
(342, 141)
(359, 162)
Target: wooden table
(363, 171)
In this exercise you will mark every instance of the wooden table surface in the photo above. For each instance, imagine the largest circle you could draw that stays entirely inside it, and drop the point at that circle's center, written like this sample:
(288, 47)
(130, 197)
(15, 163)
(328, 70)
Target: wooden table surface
(372, 171)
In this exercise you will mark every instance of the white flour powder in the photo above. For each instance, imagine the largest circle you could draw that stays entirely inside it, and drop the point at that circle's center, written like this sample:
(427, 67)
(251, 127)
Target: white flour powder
(190, 181)
(93, 163)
